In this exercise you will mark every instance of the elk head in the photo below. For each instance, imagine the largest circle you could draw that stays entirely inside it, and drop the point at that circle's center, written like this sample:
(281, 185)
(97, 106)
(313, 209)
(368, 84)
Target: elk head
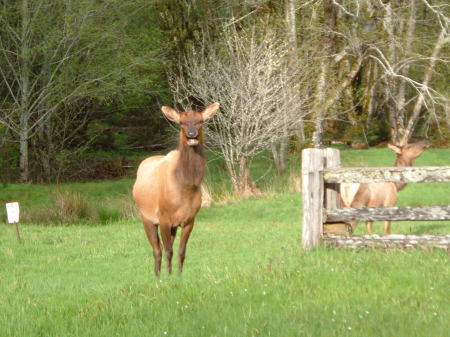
(191, 122)
(408, 153)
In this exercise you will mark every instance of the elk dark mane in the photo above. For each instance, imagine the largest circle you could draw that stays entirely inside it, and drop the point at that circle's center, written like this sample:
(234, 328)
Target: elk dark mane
(191, 165)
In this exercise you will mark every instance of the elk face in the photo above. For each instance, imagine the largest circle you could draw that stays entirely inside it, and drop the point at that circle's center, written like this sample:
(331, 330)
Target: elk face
(414, 150)
(191, 122)
(410, 152)
(191, 125)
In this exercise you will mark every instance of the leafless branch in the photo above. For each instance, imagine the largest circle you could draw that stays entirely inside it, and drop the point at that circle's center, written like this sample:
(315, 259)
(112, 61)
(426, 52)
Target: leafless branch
(248, 75)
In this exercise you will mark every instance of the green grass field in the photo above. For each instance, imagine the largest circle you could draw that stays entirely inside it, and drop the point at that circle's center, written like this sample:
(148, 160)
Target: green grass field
(245, 274)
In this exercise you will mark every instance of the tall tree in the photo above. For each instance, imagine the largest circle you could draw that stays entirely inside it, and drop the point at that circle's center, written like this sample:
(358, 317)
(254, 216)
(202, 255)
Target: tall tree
(248, 74)
(369, 62)
(60, 55)
(406, 90)
(279, 149)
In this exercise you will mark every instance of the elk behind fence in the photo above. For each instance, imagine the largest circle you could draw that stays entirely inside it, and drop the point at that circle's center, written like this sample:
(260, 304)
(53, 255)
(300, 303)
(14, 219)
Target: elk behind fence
(324, 219)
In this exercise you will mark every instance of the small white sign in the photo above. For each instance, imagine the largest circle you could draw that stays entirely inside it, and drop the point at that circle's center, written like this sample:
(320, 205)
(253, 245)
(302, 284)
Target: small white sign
(12, 210)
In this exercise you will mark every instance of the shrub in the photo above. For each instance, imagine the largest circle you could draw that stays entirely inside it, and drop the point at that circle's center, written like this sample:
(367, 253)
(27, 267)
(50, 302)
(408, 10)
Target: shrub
(70, 207)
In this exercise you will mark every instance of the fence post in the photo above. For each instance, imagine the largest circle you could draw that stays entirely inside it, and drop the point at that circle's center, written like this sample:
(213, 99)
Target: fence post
(312, 194)
(332, 199)
(332, 196)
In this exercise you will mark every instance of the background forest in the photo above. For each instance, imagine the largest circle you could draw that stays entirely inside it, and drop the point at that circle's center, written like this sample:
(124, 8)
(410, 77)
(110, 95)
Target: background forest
(82, 82)
(81, 88)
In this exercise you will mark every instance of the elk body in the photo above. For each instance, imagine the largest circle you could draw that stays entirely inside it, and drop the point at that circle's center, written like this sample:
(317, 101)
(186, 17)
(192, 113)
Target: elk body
(167, 188)
(381, 194)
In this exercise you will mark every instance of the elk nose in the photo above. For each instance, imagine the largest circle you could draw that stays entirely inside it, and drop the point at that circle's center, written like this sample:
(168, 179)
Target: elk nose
(192, 133)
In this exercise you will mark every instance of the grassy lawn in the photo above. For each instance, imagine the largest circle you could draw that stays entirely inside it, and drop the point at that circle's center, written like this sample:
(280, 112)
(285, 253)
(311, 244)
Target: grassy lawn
(244, 273)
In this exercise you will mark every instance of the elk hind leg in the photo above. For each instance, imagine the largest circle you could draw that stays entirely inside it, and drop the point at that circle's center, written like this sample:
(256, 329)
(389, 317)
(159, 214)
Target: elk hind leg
(151, 230)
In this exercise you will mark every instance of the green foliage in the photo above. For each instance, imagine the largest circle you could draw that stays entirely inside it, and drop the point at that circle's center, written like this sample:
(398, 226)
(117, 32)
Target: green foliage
(98, 70)
(9, 159)
(85, 62)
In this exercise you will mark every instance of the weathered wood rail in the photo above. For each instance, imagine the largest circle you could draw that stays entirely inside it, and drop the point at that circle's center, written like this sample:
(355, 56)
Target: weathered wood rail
(392, 174)
(388, 213)
(388, 241)
(323, 216)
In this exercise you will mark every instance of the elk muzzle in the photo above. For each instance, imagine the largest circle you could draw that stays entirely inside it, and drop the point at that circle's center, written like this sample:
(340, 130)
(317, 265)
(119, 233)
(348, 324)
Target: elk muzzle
(192, 134)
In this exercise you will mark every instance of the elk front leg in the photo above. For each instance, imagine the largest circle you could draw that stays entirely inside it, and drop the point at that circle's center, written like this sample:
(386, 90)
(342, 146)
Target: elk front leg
(185, 233)
(387, 227)
(151, 230)
(353, 225)
(369, 226)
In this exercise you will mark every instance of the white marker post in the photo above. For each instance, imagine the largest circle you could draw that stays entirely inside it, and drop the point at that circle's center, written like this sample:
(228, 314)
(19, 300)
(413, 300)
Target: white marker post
(13, 212)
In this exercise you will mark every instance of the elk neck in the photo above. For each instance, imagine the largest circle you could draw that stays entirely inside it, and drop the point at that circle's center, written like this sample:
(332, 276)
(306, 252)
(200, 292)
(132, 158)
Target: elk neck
(401, 161)
(190, 168)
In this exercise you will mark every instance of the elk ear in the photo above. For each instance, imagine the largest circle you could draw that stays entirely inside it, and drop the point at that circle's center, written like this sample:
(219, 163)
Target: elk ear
(394, 148)
(210, 111)
(171, 114)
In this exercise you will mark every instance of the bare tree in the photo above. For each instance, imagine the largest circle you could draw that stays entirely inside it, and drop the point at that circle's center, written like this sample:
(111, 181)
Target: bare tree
(249, 76)
(402, 56)
(396, 60)
(35, 53)
(339, 61)
(49, 51)
(279, 149)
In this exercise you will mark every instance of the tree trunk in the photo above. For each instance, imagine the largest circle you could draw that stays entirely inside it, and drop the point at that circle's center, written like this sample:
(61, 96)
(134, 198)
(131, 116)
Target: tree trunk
(330, 18)
(348, 94)
(332, 96)
(244, 189)
(441, 41)
(408, 46)
(45, 151)
(23, 146)
(396, 119)
(25, 93)
(279, 151)
(243, 185)
(369, 93)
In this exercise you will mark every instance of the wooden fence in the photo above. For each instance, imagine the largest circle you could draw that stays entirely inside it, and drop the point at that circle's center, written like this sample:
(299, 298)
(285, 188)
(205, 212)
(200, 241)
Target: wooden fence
(325, 220)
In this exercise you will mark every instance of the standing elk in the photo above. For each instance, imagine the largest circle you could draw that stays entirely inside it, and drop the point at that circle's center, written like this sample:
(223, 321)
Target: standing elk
(167, 188)
(381, 194)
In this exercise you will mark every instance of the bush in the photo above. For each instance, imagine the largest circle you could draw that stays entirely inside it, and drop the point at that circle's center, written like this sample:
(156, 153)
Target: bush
(70, 207)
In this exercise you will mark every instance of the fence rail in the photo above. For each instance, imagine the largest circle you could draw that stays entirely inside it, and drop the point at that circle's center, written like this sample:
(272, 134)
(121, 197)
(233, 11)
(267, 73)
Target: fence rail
(388, 213)
(389, 241)
(387, 174)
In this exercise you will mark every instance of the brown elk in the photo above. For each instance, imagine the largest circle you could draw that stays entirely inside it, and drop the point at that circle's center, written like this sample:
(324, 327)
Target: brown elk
(167, 188)
(381, 194)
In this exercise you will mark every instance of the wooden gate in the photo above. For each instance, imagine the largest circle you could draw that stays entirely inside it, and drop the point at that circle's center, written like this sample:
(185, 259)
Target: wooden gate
(325, 220)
